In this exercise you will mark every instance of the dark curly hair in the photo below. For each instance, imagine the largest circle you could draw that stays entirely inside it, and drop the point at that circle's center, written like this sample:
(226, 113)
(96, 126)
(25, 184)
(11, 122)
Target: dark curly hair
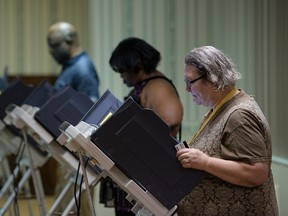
(132, 55)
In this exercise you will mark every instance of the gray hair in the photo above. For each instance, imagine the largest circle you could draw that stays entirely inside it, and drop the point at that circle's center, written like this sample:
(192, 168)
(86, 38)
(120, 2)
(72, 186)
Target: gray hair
(215, 65)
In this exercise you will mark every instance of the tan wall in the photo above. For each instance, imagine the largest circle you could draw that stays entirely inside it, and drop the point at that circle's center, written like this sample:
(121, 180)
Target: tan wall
(23, 27)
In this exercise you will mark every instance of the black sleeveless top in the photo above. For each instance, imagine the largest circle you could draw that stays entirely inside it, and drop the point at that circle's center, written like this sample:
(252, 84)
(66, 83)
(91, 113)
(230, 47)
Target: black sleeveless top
(136, 92)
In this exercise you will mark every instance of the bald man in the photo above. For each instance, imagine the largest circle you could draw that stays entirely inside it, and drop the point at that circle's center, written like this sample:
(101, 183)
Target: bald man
(78, 70)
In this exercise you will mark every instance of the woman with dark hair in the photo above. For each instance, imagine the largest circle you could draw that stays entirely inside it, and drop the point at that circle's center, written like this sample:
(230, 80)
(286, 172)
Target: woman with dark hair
(136, 62)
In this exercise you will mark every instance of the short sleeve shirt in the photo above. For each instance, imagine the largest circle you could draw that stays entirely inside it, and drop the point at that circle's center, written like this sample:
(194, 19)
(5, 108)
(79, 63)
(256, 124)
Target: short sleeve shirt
(243, 138)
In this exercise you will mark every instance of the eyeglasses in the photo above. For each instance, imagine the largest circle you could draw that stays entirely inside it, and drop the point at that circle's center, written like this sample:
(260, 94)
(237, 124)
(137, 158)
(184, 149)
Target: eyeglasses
(190, 83)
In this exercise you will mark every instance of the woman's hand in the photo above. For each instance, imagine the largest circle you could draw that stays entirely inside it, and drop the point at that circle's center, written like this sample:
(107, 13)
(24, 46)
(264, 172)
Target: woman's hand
(193, 158)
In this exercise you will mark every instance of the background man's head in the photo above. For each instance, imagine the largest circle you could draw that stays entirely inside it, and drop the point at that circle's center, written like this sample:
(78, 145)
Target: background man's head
(63, 43)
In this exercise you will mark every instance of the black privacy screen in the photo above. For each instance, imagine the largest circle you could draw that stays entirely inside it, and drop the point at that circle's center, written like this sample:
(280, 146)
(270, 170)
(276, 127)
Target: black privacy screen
(138, 142)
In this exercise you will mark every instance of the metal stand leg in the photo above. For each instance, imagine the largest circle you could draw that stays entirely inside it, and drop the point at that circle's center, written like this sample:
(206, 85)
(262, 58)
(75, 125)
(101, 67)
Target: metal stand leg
(8, 182)
(38, 186)
(89, 197)
(60, 197)
(5, 167)
(70, 205)
(27, 193)
(6, 172)
(31, 171)
(10, 199)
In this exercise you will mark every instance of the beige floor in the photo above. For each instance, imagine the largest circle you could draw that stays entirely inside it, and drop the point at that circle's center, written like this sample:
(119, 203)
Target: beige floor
(100, 210)
(24, 208)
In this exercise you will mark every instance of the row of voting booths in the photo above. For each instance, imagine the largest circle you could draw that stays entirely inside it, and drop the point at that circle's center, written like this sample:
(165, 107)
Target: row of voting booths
(108, 138)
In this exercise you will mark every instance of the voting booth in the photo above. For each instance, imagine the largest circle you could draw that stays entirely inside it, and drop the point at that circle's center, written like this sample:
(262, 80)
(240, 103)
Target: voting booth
(19, 144)
(40, 121)
(119, 140)
(133, 147)
(138, 142)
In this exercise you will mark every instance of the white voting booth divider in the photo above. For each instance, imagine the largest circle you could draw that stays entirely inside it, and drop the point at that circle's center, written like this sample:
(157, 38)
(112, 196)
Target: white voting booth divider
(11, 143)
(22, 117)
(72, 141)
(31, 161)
(24, 120)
